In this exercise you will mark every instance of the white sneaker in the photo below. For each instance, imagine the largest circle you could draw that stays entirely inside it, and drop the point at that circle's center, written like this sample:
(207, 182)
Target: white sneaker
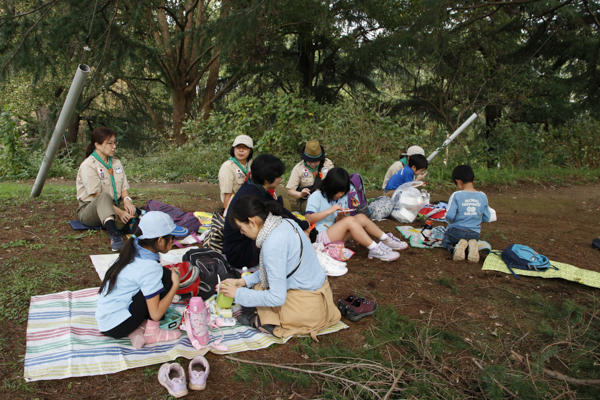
(383, 252)
(394, 243)
(330, 266)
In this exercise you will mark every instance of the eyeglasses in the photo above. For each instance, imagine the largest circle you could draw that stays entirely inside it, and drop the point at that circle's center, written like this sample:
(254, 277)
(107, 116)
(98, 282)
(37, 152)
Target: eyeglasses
(112, 143)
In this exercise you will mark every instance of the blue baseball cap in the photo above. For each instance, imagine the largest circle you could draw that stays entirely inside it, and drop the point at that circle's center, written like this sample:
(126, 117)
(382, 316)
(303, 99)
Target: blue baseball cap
(155, 224)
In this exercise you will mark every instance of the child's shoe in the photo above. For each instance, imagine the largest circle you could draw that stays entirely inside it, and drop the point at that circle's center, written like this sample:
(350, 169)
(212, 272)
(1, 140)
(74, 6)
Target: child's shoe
(116, 242)
(137, 336)
(154, 334)
(198, 370)
(459, 250)
(394, 243)
(172, 377)
(473, 251)
(383, 252)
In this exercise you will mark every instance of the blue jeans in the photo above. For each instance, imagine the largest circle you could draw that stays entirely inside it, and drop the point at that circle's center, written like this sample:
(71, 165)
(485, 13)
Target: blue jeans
(453, 236)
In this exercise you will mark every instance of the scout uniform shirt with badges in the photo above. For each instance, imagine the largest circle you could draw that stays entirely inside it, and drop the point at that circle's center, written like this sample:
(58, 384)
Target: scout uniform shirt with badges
(303, 177)
(231, 177)
(94, 178)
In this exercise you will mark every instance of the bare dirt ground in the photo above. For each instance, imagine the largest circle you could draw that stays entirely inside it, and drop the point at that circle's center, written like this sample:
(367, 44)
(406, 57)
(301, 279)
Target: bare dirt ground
(559, 222)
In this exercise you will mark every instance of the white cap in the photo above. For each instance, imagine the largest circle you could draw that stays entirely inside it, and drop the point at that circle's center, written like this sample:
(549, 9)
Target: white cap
(412, 150)
(245, 140)
(155, 224)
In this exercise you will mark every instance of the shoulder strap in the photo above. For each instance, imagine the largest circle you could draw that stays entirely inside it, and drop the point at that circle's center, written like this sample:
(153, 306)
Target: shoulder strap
(301, 249)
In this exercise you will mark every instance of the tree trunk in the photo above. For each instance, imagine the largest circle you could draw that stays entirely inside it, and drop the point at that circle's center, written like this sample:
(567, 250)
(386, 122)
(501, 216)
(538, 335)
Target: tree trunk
(211, 86)
(182, 105)
(73, 128)
(493, 113)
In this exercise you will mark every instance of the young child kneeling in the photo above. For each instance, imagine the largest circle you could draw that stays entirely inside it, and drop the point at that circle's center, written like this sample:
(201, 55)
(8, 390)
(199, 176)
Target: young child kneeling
(466, 209)
(415, 170)
(328, 209)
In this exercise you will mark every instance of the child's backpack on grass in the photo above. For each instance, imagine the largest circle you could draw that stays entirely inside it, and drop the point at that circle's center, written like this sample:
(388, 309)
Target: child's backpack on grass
(211, 265)
(357, 181)
(181, 218)
(524, 257)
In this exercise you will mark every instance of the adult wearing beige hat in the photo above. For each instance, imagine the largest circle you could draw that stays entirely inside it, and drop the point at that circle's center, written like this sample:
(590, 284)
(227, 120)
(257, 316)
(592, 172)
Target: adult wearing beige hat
(403, 162)
(234, 172)
(308, 173)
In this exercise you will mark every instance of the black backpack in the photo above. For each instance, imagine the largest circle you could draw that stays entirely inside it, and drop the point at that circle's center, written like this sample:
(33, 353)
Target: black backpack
(211, 265)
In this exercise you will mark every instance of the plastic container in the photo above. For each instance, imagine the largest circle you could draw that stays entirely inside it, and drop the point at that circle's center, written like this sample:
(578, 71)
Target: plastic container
(245, 272)
(224, 301)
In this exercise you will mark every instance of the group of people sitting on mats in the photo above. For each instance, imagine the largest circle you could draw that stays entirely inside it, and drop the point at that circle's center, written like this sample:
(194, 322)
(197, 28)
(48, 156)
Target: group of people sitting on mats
(289, 293)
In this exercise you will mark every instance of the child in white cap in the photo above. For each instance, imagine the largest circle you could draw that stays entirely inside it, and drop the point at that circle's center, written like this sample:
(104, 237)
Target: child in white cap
(137, 290)
(235, 170)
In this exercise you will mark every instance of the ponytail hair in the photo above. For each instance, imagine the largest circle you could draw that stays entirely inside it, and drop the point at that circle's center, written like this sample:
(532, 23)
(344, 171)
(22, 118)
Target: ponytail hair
(337, 180)
(99, 135)
(126, 257)
(249, 206)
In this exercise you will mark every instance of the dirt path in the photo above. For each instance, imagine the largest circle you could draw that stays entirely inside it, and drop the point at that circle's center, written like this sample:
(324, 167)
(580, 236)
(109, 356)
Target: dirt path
(559, 222)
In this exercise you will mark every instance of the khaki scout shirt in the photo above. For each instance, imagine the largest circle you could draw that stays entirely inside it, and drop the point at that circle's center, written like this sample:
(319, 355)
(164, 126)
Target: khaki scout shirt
(93, 178)
(303, 177)
(231, 177)
(397, 166)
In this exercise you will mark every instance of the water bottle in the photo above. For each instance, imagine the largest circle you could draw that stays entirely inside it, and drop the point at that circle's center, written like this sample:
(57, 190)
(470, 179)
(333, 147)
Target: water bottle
(245, 272)
(427, 229)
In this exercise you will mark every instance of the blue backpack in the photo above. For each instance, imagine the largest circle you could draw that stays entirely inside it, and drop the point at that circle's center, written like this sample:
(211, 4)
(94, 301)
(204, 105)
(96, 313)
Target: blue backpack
(524, 257)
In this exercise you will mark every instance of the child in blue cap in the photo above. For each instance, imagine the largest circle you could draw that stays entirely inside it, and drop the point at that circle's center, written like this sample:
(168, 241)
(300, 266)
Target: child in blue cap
(137, 290)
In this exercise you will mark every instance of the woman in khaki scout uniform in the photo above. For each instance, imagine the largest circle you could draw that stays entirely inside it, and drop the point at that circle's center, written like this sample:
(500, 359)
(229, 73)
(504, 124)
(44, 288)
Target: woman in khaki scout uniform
(101, 183)
(308, 173)
(234, 172)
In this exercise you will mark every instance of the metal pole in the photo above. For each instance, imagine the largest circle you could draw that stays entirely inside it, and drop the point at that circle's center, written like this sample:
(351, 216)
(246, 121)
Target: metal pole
(61, 124)
(453, 136)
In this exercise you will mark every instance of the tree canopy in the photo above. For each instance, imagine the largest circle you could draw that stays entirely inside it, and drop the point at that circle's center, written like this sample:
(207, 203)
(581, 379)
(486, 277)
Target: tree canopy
(157, 63)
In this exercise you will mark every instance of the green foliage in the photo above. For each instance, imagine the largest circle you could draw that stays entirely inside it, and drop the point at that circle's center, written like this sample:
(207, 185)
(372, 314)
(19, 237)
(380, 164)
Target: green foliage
(13, 160)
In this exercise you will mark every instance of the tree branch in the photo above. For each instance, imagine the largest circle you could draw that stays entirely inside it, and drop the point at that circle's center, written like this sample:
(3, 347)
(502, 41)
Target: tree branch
(347, 381)
(497, 3)
(27, 34)
(34, 10)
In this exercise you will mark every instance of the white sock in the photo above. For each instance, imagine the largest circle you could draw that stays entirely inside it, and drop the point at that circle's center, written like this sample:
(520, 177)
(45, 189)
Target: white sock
(372, 246)
(384, 237)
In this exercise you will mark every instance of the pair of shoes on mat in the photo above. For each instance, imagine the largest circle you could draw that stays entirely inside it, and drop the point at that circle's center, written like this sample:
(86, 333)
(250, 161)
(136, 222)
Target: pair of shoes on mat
(172, 376)
(356, 308)
(383, 252)
(461, 248)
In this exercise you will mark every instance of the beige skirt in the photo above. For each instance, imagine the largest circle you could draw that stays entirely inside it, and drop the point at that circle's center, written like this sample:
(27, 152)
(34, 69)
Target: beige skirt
(303, 313)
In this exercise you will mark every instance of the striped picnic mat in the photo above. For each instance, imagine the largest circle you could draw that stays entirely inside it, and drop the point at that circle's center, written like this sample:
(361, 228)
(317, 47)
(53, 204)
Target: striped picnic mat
(63, 340)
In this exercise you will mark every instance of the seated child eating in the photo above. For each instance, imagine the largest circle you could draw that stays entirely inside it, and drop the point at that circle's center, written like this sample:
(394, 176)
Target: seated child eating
(466, 209)
(328, 209)
(417, 164)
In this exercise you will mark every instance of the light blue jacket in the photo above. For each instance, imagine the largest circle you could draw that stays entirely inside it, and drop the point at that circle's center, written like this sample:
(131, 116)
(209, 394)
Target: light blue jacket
(281, 253)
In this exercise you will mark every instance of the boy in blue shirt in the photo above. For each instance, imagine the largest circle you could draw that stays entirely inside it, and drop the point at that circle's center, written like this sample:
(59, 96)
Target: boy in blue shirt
(466, 209)
(417, 164)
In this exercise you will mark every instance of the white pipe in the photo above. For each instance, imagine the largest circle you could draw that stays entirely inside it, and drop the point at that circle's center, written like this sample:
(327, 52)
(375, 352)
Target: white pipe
(453, 136)
(61, 124)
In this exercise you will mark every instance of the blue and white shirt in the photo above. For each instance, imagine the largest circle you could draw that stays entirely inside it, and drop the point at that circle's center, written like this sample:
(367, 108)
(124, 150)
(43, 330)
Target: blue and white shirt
(467, 210)
(144, 274)
(317, 202)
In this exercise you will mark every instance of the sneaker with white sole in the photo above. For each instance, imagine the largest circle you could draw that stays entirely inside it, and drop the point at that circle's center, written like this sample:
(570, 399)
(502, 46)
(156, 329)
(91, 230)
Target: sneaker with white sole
(383, 252)
(459, 250)
(172, 377)
(116, 242)
(473, 251)
(198, 370)
(394, 243)
(330, 266)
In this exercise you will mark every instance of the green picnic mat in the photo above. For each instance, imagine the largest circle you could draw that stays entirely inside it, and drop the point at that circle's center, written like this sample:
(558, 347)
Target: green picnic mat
(494, 262)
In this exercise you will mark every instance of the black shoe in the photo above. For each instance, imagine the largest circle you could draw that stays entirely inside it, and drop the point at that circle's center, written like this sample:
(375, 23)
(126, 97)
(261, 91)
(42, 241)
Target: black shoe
(596, 243)
(116, 242)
